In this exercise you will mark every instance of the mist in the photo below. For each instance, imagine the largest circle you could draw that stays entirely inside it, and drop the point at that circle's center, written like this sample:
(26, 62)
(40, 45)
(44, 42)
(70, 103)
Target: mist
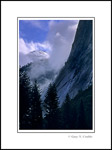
(61, 36)
(54, 52)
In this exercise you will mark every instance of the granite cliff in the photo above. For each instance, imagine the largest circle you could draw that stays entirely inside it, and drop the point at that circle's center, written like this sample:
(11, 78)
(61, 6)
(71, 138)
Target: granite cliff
(76, 75)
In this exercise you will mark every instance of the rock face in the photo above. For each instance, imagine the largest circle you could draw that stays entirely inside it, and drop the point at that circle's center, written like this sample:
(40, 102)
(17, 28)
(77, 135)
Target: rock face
(77, 73)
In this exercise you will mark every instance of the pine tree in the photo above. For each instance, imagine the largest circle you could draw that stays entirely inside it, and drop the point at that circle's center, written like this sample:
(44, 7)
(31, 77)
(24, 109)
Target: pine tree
(81, 117)
(36, 110)
(66, 113)
(24, 97)
(52, 108)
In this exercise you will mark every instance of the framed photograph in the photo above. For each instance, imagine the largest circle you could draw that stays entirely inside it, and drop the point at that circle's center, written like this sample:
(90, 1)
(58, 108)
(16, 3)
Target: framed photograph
(55, 91)
(55, 74)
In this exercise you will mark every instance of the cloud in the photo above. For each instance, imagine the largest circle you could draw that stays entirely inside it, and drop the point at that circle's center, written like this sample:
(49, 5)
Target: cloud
(58, 42)
(61, 36)
(45, 46)
(23, 48)
(23, 59)
(58, 46)
(27, 47)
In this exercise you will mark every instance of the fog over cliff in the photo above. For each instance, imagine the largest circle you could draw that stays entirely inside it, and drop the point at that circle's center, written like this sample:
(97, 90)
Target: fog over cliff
(76, 75)
(49, 57)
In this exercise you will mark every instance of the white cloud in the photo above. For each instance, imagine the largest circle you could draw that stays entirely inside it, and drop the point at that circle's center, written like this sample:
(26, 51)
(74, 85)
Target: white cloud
(23, 59)
(58, 45)
(25, 48)
(72, 27)
(45, 46)
(58, 34)
(61, 36)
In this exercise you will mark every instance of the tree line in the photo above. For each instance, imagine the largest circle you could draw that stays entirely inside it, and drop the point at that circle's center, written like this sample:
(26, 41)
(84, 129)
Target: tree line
(48, 114)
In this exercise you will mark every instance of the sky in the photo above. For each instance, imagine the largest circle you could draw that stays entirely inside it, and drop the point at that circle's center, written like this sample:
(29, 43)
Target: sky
(33, 30)
(55, 37)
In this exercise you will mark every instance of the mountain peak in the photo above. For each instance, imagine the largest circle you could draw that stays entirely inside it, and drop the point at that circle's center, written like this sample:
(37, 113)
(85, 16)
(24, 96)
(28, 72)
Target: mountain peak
(37, 55)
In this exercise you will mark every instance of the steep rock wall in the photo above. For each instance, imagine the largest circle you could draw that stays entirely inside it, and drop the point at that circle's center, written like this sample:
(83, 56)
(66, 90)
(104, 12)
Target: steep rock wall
(77, 73)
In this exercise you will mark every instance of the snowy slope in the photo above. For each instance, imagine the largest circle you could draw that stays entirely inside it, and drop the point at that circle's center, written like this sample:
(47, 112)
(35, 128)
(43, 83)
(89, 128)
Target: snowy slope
(37, 55)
